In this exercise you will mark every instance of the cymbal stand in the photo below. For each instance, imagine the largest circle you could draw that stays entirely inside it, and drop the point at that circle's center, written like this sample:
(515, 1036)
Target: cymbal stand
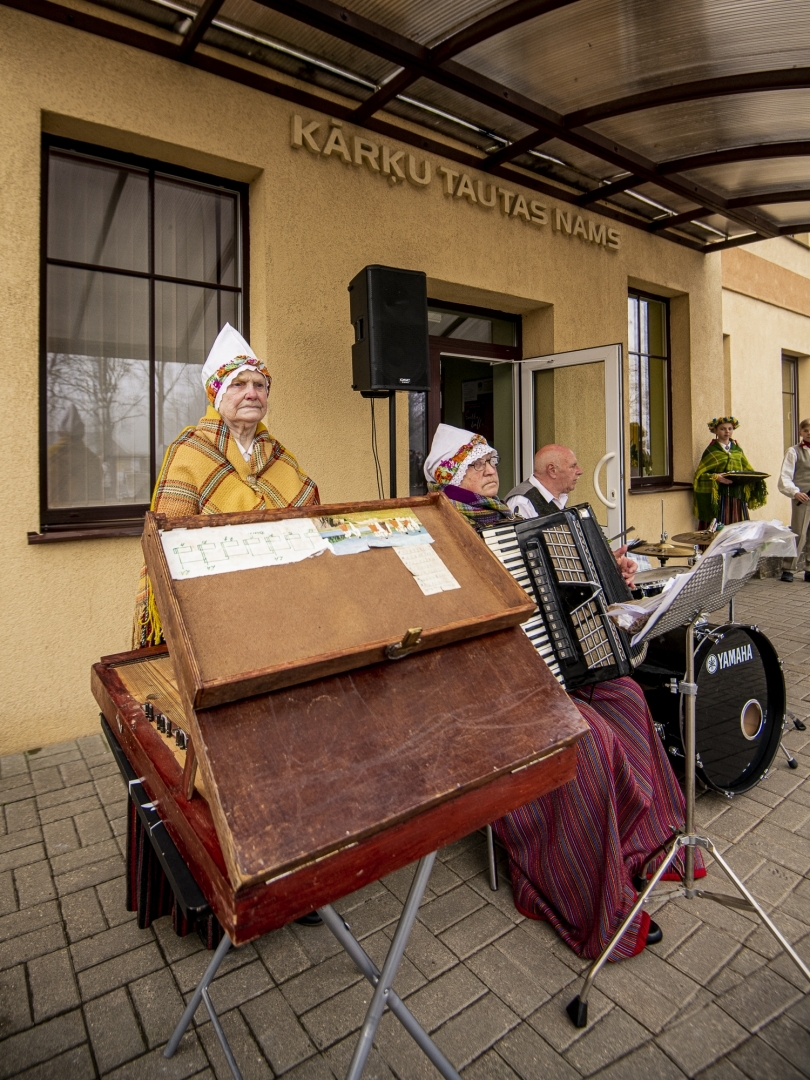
(689, 839)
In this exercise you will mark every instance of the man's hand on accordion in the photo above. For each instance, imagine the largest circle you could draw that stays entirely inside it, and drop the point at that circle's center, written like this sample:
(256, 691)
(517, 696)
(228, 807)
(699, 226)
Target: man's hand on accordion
(627, 567)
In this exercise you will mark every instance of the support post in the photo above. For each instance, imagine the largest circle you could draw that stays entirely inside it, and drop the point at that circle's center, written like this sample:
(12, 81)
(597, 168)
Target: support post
(392, 444)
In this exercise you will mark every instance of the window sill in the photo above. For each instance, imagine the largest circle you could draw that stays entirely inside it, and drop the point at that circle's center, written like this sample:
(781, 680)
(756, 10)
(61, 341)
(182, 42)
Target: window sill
(103, 532)
(655, 489)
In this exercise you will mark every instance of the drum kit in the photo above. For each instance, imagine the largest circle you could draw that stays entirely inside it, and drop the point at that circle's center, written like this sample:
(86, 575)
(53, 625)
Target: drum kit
(741, 704)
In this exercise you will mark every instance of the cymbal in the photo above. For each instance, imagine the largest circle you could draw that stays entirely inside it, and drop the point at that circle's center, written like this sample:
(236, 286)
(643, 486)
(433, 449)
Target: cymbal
(702, 538)
(667, 551)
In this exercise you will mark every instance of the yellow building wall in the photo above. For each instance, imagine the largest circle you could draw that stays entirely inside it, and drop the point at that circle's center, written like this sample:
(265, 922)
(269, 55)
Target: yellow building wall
(756, 334)
(315, 222)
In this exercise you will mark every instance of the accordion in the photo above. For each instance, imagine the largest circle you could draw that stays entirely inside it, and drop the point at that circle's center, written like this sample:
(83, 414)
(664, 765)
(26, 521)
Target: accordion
(564, 563)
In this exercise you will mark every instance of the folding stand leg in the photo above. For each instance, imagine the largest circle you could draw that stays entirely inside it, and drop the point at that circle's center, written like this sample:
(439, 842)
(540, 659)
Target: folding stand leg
(384, 994)
(201, 994)
(749, 904)
(577, 1009)
(493, 862)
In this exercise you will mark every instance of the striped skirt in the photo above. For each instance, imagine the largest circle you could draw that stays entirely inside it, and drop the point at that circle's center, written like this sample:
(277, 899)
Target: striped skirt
(574, 852)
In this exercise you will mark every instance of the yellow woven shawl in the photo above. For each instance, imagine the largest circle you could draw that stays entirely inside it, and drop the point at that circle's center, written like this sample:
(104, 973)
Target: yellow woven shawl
(204, 472)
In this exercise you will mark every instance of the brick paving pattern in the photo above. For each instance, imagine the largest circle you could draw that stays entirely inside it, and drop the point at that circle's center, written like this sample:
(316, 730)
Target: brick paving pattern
(84, 993)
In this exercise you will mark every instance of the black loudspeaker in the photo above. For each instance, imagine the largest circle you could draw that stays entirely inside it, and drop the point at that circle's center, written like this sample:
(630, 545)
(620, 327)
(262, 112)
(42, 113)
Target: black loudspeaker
(391, 348)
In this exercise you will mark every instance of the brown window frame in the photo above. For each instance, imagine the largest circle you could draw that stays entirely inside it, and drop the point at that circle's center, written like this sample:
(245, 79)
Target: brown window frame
(94, 521)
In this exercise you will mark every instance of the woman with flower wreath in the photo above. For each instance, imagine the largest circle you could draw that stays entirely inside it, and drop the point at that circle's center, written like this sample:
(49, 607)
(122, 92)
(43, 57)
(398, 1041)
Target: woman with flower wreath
(718, 497)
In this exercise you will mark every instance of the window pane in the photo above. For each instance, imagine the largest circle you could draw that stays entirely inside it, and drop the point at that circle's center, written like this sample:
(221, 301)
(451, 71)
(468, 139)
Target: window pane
(635, 412)
(656, 328)
(632, 323)
(457, 325)
(417, 442)
(187, 321)
(97, 358)
(195, 233)
(657, 418)
(787, 376)
(97, 214)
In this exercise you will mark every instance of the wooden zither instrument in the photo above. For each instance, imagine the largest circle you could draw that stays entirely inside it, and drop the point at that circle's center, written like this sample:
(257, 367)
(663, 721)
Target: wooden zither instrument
(339, 738)
(563, 562)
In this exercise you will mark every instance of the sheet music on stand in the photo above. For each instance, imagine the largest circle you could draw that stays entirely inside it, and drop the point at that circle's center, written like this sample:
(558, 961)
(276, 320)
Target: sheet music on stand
(729, 562)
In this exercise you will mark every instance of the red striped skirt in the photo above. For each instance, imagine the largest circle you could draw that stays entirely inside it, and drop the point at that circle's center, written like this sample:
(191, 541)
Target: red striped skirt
(574, 852)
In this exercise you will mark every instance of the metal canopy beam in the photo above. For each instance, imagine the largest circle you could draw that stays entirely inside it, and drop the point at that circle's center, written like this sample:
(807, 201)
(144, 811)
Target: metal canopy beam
(755, 152)
(202, 20)
(515, 149)
(766, 198)
(380, 41)
(673, 221)
(607, 190)
(749, 82)
(488, 26)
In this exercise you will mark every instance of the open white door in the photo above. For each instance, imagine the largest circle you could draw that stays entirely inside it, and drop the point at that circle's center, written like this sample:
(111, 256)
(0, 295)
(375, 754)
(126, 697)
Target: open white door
(576, 399)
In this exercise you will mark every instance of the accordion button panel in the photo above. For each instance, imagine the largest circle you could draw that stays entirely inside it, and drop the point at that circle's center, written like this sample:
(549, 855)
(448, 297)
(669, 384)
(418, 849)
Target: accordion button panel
(504, 545)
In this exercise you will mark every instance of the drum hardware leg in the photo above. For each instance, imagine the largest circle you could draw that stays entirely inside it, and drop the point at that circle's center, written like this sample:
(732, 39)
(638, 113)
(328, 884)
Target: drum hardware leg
(792, 762)
(201, 994)
(384, 994)
(578, 1008)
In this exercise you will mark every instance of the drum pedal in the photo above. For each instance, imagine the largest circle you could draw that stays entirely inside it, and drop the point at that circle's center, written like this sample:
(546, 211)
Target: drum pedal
(798, 724)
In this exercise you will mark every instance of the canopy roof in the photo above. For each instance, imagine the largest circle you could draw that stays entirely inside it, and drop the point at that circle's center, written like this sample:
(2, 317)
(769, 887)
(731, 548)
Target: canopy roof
(689, 118)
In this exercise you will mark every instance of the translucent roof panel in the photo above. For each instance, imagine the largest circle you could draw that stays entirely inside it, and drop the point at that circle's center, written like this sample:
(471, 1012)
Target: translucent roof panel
(582, 60)
(425, 21)
(749, 177)
(280, 28)
(697, 127)
(599, 50)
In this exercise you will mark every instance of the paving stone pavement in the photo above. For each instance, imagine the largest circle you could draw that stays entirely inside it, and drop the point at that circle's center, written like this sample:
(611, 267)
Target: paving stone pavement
(85, 993)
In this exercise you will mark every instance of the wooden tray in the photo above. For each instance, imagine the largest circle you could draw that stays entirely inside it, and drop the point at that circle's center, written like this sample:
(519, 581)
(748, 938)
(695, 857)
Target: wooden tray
(236, 635)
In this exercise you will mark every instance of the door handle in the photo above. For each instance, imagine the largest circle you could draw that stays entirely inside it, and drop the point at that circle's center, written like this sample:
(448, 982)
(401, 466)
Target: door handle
(609, 456)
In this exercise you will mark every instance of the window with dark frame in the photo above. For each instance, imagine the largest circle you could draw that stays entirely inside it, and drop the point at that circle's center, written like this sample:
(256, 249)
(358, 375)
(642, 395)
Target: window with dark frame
(142, 265)
(790, 416)
(457, 329)
(650, 419)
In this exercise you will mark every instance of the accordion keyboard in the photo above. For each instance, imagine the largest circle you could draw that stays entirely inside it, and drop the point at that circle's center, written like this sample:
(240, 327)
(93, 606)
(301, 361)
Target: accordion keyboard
(572, 564)
(504, 545)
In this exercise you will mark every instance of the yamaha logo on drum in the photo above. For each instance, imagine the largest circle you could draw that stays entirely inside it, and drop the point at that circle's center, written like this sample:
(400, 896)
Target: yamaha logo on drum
(719, 661)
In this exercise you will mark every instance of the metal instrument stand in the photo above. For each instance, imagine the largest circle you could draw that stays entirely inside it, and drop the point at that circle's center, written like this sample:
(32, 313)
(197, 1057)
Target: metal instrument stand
(703, 594)
(384, 994)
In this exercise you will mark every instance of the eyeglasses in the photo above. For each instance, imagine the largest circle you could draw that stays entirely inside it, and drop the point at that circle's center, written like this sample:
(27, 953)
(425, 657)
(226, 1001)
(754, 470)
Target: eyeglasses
(482, 463)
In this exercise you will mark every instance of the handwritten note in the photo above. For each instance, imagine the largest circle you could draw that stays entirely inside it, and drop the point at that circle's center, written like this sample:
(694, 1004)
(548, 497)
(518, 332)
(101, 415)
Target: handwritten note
(431, 575)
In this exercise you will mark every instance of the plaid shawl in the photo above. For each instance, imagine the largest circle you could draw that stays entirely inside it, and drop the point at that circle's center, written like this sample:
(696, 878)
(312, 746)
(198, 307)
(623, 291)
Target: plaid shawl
(478, 510)
(707, 490)
(204, 472)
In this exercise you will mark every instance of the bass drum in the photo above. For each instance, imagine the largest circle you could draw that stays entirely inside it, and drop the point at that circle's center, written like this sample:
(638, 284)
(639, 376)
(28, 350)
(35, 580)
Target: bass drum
(740, 704)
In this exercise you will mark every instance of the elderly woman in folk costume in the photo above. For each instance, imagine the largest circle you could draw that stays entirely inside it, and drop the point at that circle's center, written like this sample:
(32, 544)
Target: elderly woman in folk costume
(576, 854)
(717, 496)
(228, 462)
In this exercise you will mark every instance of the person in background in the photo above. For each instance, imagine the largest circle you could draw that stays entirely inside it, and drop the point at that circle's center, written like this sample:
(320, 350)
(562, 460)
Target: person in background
(575, 854)
(718, 497)
(794, 481)
(555, 476)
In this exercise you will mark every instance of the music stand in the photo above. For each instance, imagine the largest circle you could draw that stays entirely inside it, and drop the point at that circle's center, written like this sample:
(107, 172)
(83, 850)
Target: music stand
(706, 591)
